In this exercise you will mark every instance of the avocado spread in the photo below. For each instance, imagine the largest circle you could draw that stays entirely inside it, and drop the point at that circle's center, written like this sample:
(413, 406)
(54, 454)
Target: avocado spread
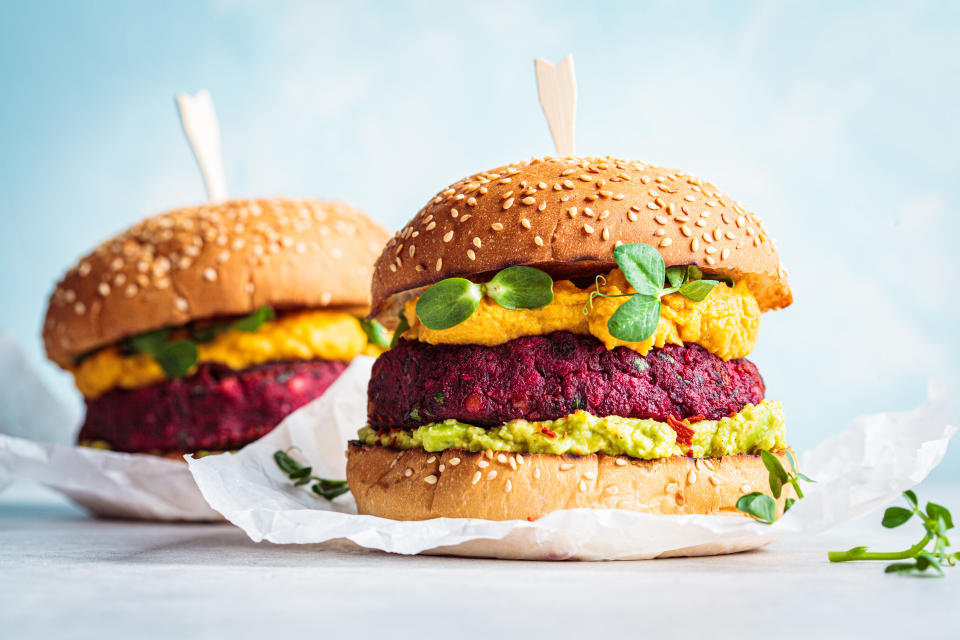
(756, 428)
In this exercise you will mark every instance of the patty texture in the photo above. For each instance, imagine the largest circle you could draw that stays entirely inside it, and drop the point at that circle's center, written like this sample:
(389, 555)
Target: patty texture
(215, 409)
(549, 377)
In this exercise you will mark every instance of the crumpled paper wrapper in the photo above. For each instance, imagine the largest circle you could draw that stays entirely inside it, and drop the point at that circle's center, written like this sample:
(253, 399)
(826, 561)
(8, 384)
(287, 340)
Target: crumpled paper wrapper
(863, 467)
(36, 434)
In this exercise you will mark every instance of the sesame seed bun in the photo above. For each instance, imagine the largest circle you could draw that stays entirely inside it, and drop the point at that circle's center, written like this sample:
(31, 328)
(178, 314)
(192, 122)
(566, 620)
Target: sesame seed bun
(566, 215)
(212, 260)
(418, 485)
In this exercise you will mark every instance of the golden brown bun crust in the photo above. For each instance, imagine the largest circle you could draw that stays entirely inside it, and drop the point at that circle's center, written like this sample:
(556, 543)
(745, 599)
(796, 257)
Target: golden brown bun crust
(521, 214)
(417, 485)
(212, 260)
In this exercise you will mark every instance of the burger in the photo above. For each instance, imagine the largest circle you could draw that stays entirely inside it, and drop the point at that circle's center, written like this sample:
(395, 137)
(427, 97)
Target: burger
(573, 333)
(199, 330)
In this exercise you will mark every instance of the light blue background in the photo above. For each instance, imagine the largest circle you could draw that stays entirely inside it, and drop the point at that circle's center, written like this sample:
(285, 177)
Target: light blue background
(836, 122)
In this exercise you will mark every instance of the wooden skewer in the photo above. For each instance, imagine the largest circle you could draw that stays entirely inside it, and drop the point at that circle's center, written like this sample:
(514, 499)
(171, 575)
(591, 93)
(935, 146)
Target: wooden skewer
(558, 97)
(199, 120)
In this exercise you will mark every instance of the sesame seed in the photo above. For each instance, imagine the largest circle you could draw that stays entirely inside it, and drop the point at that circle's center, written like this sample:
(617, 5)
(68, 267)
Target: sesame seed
(536, 474)
(496, 226)
(483, 464)
(508, 487)
(746, 488)
(103, 289)
(471, 201)
(431, 479)
(431, 226)
(79, 308)
(572, 212)
(439, 263)
(587, 211)
(588, 228)
(525, 223)
(691, 477)
(408, 473)
(454, 213)
(652, 206)
(711, 250)
(611, 490)
(519, 459)
(476, 478)
(538, 241)
(708, 465)
(476, 242)
(412, 250)
(568, 184)
(582, 485)
(448, 236)
(508, 204)
(130, 291)
(454, 462)
(492, 474)
(442, 468)
(620, 462)
(694, 245)
(181, 303)
(502, 459)
(529, 200)
(725, 253)
(670, 488)
(431, 459)
(590, 475)
(513, 463)
(471, 254)
(711, 260)
(712, 480)
(632, 215)
(606, 233)
(666, 242)
(565, 466)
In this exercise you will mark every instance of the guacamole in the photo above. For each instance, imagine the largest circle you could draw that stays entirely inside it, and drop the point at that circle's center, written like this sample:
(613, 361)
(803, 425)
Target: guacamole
(754, 429)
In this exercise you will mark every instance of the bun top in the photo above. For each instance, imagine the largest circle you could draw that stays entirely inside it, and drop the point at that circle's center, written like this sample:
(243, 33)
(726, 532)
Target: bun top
(565, 216)
(212, 260)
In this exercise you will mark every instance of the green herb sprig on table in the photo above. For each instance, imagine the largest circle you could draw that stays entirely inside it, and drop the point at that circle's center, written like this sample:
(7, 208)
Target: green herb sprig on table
(301, 474)
(763, 507)
(927, 556)
(452, 300)
(643, 266)
(177, 357)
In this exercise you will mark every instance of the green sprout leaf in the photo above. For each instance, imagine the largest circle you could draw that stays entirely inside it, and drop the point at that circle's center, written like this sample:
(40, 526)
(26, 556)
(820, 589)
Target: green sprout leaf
(935, 512)
(255, 320)
(698, 289)
(520, 287)
(401, 328)
(301, 474)
(677, 276)
(778, 475)
(911, 497)
(636, 319)
(176, 358)
(376, 333)
(150, 341)
(330, 489)
(759, 505)
(643, 267)
(448, 303)
(896, 516)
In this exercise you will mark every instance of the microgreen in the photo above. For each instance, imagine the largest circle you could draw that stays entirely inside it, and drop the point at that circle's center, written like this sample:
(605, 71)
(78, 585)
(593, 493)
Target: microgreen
(300, 474)
(760, 505)
(928, 556)
(452, 300)
(177, 357)
(402, 327)
(644, 268)
(376, 333)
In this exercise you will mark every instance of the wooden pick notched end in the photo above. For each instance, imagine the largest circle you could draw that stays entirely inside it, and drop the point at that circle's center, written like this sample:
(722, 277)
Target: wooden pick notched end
(558, 97)
(199, 120)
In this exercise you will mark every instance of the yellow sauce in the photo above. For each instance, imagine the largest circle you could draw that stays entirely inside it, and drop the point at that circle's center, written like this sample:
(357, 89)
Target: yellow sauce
(726, 323)
(327, 335)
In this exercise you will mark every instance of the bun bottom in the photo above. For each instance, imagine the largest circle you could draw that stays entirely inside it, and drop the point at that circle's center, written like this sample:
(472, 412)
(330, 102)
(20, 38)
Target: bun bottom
(418, 485)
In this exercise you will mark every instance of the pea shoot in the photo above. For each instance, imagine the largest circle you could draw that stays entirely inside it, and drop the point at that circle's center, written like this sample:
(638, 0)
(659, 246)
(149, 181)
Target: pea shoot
(300, 474)
(177, 357)
(763, 507)
(452, 300)
(927, 557)
(643, 266)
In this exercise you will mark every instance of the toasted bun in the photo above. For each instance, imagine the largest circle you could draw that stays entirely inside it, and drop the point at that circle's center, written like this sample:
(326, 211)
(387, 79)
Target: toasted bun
(417, 485)
(212, 260)
(566, 215)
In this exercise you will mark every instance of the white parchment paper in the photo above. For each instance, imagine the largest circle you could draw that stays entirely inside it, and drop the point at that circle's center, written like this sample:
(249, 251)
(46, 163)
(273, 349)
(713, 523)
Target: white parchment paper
(863, 467)
(36, 432)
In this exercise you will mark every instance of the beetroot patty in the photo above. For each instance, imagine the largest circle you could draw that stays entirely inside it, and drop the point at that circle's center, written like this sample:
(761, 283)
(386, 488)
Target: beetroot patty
(214, 409)
(548, 377)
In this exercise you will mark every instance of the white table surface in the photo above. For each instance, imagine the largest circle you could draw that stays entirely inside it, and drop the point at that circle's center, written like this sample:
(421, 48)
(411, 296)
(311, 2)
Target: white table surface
(63, 574)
